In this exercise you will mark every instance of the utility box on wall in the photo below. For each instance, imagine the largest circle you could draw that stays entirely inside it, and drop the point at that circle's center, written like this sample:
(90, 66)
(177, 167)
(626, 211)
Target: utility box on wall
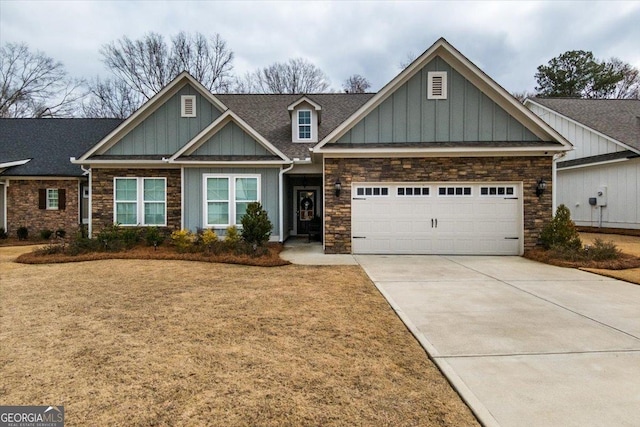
(601, 196)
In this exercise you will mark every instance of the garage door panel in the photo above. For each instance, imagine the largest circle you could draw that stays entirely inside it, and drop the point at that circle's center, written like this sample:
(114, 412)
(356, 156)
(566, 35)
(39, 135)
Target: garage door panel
(438, 224)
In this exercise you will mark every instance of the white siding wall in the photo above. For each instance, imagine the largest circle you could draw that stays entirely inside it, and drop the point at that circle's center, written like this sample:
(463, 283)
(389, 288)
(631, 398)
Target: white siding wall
(586, 143)
(622, 180)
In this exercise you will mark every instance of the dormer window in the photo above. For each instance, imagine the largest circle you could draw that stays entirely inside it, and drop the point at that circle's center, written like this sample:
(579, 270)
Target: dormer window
(304, 124)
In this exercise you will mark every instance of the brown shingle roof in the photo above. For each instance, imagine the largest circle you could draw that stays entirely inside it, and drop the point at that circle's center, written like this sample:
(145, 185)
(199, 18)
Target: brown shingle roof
(616, 118)
(269, 116)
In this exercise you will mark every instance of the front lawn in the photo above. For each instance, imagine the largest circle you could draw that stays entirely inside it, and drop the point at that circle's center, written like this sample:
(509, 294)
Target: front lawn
(146, 342)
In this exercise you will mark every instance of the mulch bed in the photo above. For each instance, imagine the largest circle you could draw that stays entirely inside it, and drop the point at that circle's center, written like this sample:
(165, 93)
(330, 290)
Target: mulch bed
(624, 262)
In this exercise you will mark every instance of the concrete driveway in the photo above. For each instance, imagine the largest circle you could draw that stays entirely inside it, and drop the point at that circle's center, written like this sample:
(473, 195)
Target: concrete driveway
(525, 344)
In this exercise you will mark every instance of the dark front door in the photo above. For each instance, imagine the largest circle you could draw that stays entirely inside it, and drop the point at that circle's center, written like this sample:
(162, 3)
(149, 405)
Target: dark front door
(306, 210)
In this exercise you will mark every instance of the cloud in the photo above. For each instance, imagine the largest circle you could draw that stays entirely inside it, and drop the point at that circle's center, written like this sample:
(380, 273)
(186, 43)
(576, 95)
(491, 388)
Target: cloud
(508, 40)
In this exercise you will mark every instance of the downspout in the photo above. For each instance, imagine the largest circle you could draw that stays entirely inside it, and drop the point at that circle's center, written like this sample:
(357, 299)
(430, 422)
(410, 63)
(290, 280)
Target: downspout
(90, 204)
(554, 181)
(4, 206)
(281, 193)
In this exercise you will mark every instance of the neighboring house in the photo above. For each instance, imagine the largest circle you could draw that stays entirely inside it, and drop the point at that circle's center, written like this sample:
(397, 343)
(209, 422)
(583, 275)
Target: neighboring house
(441, 161)
(39, 187)
(600, 180)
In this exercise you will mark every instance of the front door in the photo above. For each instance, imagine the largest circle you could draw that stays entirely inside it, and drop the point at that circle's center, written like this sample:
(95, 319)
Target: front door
(306, 210)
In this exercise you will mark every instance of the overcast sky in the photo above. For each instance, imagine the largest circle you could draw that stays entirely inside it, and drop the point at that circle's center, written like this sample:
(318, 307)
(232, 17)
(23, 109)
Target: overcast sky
(508, 40)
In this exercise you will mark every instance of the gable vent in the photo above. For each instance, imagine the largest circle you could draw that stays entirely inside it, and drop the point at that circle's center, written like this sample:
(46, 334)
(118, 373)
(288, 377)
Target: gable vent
(188, 105)
(437, 85)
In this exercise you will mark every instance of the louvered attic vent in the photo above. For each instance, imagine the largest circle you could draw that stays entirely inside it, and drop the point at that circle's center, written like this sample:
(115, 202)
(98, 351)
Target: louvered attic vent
(188, 105)
(437, 85)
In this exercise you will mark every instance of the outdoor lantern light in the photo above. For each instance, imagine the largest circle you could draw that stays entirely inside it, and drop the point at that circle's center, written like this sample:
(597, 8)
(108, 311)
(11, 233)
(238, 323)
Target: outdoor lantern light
(338, 187)
(542, 185)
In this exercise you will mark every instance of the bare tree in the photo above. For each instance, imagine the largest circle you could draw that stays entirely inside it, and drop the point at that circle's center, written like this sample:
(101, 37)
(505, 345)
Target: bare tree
(294, 76)
(147, 65)
(34, 85)
(111, 98)
(356, 84)
(408, 59)
(629, 86)
(521, 96)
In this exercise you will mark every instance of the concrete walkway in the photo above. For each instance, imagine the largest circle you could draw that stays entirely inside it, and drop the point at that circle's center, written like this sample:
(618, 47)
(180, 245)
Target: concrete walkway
(524, 343)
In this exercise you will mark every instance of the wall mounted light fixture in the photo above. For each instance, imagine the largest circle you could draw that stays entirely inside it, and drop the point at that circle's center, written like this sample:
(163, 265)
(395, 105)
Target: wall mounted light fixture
(541, 187)
(337, 187)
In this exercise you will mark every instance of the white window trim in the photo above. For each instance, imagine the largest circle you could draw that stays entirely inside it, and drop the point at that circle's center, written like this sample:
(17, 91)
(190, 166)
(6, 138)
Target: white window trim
(232, 197)
(140, 202)
(298, 125)
(49, 207)
(430, 76)
(183, 102)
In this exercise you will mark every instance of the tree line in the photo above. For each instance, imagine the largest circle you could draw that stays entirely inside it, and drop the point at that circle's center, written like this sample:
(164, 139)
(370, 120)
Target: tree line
(35, 85)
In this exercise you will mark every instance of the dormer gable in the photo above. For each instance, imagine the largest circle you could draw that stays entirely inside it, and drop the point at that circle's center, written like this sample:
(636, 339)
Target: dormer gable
(305, 117)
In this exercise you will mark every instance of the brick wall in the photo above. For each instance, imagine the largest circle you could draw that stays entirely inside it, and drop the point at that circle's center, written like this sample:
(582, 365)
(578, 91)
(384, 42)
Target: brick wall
(23, 207)
(102, 194)
(526, 169)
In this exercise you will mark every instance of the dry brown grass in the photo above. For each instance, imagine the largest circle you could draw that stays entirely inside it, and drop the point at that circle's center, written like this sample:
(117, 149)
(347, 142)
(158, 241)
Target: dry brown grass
(142, 343)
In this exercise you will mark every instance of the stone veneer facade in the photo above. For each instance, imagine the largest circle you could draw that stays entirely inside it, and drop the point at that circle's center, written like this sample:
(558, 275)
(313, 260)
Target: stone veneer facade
(23, 206)
(537, 211)
(102, 194)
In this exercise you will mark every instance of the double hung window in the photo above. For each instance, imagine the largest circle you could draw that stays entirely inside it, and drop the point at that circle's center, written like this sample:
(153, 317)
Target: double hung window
(304, 124)
(140, 201)
(227, 198)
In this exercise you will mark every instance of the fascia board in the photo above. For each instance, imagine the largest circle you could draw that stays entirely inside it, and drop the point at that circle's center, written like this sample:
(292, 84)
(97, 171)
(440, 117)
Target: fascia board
(7, 165)
(463, 151)
(302, 99)
(529, 101)
(148, 108)
(230, 163)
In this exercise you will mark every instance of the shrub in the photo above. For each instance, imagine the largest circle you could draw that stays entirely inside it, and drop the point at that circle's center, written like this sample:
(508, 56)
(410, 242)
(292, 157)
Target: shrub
(602, 251)
(23, 233)
(110, 238)
(256, 227)
(208, 238)
(46, 234)
(130, 237)
(61, 233)
(3, 233)
(561, 231)
(183, 239)
(232, 237)
(153, 237)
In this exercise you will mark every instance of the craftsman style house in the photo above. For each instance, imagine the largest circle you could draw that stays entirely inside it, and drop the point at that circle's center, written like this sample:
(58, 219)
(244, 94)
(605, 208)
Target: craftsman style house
(442, 160)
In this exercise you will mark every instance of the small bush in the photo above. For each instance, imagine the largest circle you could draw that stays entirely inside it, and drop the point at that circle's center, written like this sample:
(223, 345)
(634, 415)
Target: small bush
(3, 233)
(561, 232)
(232, 237)
(46, 234)
(256, 227)
(153, 237)
(602, 251)
(208, 239)
(23, 233)
(183, 240)
(61, 233)
(130, 237)
(110, 238)
(51, 249)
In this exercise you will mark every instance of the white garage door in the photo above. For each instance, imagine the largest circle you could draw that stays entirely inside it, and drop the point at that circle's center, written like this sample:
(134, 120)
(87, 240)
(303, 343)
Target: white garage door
(437, 218)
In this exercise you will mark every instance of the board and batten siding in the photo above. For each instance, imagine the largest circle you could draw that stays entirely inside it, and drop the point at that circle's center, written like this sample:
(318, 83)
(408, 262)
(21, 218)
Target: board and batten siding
(2, 207)
(622, 179)
(231, 140)
(586, 143)
(467, 115)
(194, 197)
(165, 131)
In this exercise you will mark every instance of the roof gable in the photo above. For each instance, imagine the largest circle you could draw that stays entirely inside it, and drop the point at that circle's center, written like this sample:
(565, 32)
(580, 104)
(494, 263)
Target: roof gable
(518, 121)
(157, 127)
(227, 136)
(617, 120)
